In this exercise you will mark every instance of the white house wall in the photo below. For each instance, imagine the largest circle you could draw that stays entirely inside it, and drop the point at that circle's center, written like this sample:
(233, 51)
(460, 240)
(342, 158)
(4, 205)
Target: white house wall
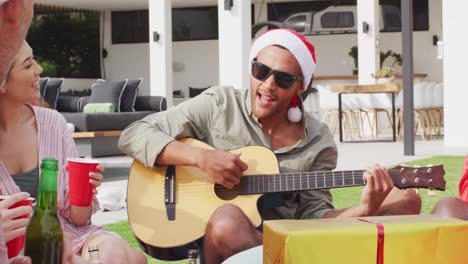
(196, 62)
(126, 60)
(424, 52)
(455, 58)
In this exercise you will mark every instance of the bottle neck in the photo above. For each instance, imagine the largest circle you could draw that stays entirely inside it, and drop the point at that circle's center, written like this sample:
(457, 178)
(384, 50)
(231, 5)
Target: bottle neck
(47, 200)
(47, 195)
(48, 181)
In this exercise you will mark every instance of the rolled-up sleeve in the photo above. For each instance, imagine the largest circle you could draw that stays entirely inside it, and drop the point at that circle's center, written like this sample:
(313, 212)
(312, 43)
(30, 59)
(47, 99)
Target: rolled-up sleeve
(145, 139)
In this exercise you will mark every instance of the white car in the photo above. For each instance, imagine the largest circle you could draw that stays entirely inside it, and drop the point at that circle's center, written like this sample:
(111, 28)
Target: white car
(340, 19)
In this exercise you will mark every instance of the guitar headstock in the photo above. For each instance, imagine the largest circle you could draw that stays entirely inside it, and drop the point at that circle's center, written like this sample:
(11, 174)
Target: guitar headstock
(430, 177)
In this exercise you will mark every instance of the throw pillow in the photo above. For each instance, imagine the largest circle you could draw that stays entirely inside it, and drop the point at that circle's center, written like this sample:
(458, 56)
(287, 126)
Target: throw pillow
(42, 85)
(82, 102)
(51, 93)
(129, 95)
(68, 104)
(99, 108)
(80, 93)
(194, 91)
(108, 92)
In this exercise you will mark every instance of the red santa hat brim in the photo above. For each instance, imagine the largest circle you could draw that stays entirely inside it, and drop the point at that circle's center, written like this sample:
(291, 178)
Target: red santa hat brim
(297, 44)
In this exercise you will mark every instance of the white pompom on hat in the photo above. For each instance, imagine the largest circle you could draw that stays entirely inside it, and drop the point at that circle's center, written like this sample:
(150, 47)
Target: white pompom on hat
(300, 48)
(294, 113)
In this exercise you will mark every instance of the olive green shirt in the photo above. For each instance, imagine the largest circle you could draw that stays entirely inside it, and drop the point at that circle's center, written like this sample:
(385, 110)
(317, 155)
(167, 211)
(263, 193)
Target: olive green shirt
(222, 117)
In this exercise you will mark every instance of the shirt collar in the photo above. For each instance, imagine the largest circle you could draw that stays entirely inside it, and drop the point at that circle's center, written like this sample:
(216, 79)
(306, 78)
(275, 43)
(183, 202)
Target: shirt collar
(307, 123)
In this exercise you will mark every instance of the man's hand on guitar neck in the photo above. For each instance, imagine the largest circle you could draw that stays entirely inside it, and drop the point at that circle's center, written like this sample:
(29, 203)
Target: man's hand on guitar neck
(223, 167)
(378, 185)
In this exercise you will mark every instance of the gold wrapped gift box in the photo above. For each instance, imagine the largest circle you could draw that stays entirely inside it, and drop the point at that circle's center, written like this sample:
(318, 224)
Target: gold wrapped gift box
(423, 239)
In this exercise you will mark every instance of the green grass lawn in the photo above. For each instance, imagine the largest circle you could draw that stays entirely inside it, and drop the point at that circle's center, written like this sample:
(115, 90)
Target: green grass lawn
(350, 196)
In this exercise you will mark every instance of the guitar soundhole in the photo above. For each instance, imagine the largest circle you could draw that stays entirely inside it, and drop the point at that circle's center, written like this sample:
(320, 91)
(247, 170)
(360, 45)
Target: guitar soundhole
(225, 194)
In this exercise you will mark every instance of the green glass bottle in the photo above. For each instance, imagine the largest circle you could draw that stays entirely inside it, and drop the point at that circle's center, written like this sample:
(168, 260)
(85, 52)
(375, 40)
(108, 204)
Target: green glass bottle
(44, 234)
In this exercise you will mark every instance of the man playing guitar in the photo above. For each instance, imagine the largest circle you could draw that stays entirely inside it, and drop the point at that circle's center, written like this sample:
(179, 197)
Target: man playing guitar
(282, 63)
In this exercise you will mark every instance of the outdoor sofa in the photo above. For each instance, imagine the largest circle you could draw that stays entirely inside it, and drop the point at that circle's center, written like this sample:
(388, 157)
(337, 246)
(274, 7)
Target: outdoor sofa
(96, 133)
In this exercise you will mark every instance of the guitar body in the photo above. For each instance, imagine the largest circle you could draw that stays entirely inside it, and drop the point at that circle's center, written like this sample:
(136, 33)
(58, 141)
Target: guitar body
(196, 199)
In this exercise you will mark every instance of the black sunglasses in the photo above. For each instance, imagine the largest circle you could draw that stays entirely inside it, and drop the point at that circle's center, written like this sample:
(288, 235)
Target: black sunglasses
(284, 80)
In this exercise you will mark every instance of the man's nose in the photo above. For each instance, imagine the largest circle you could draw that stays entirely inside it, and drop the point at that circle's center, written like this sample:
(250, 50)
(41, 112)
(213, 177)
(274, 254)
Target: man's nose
(270, 81)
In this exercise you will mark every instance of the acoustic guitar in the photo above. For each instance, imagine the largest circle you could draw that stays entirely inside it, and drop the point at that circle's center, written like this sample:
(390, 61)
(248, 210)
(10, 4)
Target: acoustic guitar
(169, 207)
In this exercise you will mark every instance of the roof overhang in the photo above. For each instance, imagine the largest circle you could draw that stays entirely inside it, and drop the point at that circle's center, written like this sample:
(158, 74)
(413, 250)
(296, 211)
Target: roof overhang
(120, 4)
(100, 5)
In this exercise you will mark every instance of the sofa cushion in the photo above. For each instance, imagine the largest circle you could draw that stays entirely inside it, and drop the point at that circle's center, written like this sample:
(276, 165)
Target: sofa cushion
(129, 94)
(103, 121)
(51, 92)
(194, 91)
(42, 85)
(68, 104)
(108, 92)
(150, 103)
(84, 100)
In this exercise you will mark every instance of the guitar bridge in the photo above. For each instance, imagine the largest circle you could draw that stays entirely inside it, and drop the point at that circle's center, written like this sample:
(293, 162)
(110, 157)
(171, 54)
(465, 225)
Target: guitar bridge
(169, 192)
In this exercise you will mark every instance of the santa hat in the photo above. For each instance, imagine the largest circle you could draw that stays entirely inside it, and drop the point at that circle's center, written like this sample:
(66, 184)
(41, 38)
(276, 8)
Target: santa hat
(299, 46)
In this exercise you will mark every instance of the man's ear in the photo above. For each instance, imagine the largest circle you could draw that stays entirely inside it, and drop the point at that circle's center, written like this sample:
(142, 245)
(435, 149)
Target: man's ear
(300, 90)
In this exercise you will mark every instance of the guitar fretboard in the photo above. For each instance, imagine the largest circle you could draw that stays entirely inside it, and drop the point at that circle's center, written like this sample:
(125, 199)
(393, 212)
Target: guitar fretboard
(284, 182)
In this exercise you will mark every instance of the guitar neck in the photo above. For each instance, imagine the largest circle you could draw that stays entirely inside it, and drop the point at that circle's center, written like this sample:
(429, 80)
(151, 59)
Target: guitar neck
(285, 182)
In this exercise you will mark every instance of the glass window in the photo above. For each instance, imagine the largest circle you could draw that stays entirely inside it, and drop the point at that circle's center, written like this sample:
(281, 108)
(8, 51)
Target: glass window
(187, 24)
(194, 23)
(337, 20)
(130, 27)
(390, 11)
(297, 23)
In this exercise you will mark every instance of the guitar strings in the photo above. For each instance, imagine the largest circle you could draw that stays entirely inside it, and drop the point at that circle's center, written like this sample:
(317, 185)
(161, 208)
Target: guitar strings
(320, 182)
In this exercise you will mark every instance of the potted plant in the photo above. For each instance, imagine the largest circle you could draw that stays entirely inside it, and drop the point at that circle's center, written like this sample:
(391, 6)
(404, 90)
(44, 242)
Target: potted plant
(384, 75)
(387, 74)
(384, 55)
(354, 54)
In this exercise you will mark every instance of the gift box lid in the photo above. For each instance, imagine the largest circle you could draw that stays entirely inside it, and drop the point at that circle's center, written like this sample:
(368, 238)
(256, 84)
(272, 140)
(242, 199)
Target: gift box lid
(405, 239)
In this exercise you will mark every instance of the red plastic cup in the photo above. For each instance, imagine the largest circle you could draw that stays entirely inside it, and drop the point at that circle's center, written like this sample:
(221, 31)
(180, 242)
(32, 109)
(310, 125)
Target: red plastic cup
(80, 190)
(17, 244)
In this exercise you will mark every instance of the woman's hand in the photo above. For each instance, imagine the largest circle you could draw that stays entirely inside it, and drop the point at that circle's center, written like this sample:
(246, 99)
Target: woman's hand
(20, 260)
(12, 227)
(96, 178)
(67, 249)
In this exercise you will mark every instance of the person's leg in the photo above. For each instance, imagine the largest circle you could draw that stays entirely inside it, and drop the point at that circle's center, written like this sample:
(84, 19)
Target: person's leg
(113, 250)
(229, 231)
(451, 207)
(401, 202)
